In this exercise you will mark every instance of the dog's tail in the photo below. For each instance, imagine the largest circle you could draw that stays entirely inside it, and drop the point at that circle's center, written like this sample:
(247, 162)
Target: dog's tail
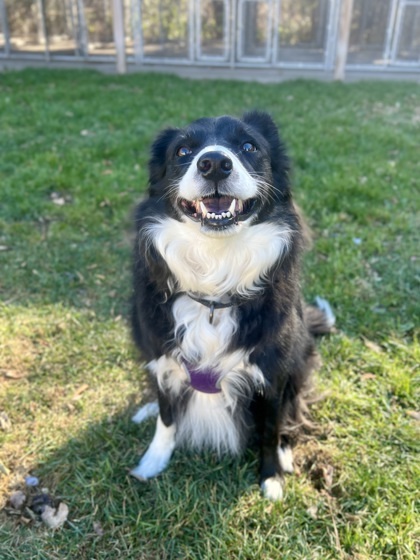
(319, 319)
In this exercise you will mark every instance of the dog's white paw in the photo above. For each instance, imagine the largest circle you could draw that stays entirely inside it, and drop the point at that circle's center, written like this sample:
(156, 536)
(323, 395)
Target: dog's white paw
(145, 412)
(151, 464)
(272, 488)
(286, 458)
(157, 457)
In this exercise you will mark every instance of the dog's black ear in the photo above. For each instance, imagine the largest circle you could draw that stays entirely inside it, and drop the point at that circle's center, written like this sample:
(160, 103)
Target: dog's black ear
(264, 124)
(157, 163)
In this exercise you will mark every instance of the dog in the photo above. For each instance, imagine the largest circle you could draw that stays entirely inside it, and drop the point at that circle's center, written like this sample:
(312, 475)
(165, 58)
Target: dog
(217, 307)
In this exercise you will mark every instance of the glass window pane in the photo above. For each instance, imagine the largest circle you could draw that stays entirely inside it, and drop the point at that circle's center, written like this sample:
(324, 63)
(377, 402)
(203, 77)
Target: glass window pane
(165, 28)
(408, 47)
(60, 20)
(212, 28)
(255, 29)
(368, 31)
(24, 26)
(2, 33)
(302, 30)
(98, 19)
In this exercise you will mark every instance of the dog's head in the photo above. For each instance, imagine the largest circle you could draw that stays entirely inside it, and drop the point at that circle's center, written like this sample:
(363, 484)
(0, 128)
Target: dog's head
(222, 173)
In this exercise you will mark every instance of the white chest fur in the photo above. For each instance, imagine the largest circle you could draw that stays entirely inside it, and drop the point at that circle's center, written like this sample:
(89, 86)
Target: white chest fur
(203, 342)
(216, 266)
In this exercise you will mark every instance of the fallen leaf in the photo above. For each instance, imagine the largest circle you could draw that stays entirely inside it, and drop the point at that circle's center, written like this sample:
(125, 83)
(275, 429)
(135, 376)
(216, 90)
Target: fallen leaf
(77, 394)
(414, 414)
(59, 201)
(372, 346)
(14, 375)
(368, 376)
(5, 423)
(327, 474)
(55, 518)
(17, 499)
(97, 527)
(312, 511)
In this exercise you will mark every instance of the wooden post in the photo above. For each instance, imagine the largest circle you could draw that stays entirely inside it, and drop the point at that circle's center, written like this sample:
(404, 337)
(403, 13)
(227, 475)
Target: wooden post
(343, 39)
(119, 37)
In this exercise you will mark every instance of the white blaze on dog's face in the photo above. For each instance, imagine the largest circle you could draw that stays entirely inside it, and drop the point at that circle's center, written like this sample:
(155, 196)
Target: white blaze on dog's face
(218, 173)
(216, 168)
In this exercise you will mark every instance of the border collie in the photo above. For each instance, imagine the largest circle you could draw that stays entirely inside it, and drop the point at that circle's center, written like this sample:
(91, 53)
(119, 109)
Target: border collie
(217, 307)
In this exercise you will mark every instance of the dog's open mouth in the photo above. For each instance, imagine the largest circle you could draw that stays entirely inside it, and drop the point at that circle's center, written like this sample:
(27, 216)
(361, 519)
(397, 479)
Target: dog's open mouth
(218, 211)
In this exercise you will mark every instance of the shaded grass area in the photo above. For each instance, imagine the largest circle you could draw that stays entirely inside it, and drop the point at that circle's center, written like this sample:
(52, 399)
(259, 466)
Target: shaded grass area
(73, 160)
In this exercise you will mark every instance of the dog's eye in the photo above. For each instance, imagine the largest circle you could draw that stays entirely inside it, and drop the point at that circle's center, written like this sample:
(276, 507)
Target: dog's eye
(183, 151)
(248, 147)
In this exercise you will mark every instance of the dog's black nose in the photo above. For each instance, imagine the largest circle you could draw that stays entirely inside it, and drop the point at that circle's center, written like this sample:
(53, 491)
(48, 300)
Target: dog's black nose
(214, 166)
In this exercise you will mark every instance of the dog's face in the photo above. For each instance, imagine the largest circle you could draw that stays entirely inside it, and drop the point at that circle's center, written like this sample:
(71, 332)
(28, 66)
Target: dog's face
(223, 173)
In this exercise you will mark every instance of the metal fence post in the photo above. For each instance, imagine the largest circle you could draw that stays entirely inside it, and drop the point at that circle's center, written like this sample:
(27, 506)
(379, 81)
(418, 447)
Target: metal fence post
(119, 36)
(343, 39)
(6, 34)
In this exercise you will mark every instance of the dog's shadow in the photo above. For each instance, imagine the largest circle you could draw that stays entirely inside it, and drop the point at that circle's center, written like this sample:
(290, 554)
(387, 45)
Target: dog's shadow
(183, 510)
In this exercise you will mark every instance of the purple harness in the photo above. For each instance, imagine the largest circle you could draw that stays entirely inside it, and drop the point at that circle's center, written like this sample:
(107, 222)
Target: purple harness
(205, 380)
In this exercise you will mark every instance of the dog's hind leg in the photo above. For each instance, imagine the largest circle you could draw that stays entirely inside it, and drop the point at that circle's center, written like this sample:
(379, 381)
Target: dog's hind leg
(271, 470)
(286, 457)
(146, 411)
(270, 413)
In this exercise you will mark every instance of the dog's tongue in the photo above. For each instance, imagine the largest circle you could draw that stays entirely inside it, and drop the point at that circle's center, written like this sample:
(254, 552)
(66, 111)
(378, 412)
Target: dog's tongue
(219, 204)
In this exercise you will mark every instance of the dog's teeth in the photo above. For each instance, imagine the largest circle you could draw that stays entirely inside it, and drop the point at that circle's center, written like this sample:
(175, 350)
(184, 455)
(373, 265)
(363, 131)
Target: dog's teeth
(203, 209)
(240, 206)
(223, 214)
(228, 214)
(232, 206)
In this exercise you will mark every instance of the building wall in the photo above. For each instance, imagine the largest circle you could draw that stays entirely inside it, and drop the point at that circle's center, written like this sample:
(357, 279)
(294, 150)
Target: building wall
(272, 35)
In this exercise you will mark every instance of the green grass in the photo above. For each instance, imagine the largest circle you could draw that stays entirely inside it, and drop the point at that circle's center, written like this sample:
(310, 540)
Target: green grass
(70, 377)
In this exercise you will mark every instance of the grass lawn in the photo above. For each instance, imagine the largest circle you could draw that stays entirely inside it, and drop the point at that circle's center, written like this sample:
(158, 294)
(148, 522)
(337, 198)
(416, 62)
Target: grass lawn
(73, 161)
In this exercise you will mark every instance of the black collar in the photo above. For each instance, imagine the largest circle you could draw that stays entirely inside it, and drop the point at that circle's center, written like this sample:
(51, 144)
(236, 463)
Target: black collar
(212, 305)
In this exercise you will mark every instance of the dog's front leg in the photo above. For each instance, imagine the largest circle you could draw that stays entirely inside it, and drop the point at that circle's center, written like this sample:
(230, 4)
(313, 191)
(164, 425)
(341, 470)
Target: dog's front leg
(157, 456)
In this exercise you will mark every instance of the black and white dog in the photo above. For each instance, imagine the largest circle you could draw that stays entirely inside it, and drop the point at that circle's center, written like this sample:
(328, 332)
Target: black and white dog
(217, 307)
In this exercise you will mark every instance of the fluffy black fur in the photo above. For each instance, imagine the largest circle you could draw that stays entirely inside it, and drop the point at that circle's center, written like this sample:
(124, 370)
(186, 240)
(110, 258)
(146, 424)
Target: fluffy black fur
(275, 329)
